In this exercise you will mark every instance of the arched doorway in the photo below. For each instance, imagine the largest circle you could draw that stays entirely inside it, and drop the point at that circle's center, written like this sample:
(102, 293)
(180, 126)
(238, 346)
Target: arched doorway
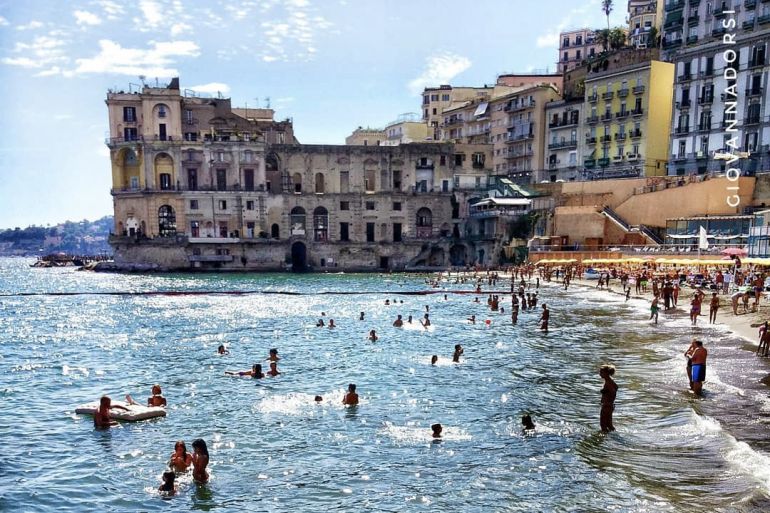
(166, 221)
(275, 231)
(424, 223)
(297, 221)
(298, 257)
(164, 172)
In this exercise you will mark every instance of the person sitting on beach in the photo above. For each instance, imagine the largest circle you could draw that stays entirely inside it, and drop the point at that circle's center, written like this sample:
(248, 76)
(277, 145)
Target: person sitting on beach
(434, 359)
(222, 349)
(273, 355)
(273, 372)
(526, 421)
(255, 372)
(155, 400)
(168, 487)
(398, 322)
(436, 429)
(331, 324)
(373, 336)
(102, 417)
(180, 458)
(458, 352)
(200, 460)
(351, 398)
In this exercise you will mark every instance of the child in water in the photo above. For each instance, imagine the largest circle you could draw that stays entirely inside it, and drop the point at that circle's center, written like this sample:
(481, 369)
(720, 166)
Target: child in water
(168, 487)
(458, 351)
(180, 458)
(373, 336)
(351, 398)
(200, 460)
(437, 429)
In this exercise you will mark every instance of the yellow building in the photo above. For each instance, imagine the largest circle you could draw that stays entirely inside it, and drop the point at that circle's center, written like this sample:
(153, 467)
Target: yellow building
(627, 120)
(408, 128)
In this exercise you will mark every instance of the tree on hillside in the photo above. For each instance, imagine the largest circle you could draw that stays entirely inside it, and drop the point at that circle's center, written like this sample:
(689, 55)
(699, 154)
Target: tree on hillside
(617, 38)
(607, 8)
(652, 38)
(602, 37)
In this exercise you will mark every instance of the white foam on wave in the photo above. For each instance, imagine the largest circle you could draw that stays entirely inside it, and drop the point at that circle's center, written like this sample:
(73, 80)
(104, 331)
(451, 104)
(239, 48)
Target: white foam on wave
(297, 403)
(412, 433)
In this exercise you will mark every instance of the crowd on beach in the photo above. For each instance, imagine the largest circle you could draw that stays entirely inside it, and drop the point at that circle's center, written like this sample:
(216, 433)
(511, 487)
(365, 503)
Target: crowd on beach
(667, 287)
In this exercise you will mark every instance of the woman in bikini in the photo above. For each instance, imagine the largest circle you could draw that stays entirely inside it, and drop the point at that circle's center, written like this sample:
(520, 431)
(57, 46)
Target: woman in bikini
(180, 458)
(609, 393)
(200, 460)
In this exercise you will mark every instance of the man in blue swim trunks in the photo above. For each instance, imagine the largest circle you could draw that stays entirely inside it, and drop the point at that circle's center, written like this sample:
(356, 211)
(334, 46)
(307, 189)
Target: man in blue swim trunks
(698, 367)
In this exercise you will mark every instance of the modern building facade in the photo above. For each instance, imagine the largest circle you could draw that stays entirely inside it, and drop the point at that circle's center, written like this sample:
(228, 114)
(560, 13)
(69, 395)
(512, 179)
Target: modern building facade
(575, 46)
(643, 17)
(626, 112)
(196, 186)
(721, 98)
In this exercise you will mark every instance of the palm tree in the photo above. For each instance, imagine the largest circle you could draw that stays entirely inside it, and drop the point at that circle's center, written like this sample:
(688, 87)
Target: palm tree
(617, 38)
(603, 38)
(607, 8)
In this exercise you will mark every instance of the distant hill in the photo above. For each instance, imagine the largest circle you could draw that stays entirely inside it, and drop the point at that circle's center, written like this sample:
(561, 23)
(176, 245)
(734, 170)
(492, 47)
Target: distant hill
(72, 237)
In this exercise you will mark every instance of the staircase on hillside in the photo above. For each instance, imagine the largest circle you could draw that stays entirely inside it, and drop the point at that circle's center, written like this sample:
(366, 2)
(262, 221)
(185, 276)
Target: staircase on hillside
(641, 229)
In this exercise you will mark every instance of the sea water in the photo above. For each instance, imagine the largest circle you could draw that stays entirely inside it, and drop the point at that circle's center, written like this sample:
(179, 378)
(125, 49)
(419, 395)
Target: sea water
(272, 448)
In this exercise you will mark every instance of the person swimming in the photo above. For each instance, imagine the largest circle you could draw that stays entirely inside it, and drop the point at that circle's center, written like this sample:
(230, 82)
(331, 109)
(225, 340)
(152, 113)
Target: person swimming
(472, 319)
(273, 372)
(398, 322)
(102, 417)
(361, 317)
(351, 398)
(168, 487)
(273, 355)
(156, 399)
(255, 372)
(526, 421)
(318, 399)
(436, 429)
(180, 458)
(387, 302)
(200, 460)
(458, 352)
(331, 324)
(222, 349)
(373, 336)
(320, 323)
(409, 319)
(434, 359)
(426, 321)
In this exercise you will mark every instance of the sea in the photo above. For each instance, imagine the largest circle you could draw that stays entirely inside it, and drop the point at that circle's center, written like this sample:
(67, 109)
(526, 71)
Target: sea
(68, 337)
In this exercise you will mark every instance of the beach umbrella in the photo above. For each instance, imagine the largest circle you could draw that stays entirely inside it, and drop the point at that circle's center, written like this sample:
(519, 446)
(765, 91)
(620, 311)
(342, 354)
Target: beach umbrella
(735, 251)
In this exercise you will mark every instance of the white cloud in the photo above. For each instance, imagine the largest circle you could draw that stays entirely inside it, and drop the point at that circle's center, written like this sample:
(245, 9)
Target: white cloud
(112, 58)
(34, 24)
(112, 10)
(42, 52)
(439, 69)
(211, 88)
(151, 12)
(86, 18)
(4, 22)
(180, 28)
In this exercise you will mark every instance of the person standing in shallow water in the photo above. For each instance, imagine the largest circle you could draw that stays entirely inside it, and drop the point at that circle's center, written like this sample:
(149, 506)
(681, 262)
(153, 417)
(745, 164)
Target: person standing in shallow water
(698, 367)
(544, 319)
(609, 393)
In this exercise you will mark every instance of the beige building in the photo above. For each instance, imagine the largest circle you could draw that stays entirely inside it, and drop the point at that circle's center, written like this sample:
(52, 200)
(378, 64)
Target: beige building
(643, 16)
(436, 99)
(197, 186)
(365, 137)
(575, 46)
(408, 128)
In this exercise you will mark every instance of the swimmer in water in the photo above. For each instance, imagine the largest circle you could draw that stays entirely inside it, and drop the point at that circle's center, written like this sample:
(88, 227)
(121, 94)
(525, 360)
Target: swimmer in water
(426, 322)
(168, 487)
(361, 317)
(373, 336)
(458, 352)
(200, 460)
(273, 355)
(526, 421)
(409, 319)
(156, 400)
(222, 350)
(331, 324)
(476, 300)
(434, 359)
(387, 302)
(472, 319)
(351, 398)
(255, 372)
(273, 372)
(102, 414)
(318, 399)
(320, 323)
(398, 322)
(437, 429)
(180, 458)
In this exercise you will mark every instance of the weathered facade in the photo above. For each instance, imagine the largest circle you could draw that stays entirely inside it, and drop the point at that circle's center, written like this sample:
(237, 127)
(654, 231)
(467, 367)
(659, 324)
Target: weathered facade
(197, 186)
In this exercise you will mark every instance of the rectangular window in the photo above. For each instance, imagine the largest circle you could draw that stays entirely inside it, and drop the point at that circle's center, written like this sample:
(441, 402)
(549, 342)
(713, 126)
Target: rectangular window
(248, 179)
(165, 181)
(345, 231)
(369, 232)
(344, 181)
(384, 179)
(396, 232)
(192, 179)
(161, 111)
(251, 229)
(250, 205)
(344, 205)
(442, 160)
(459, 157)
(369, 205)
(397, 205)
(191, 136)
(195, 229)
(223, 229)
(222, 205)
(193, 204)
(130, 134)
(221, 179)
(129, 114)
(444, 97)
(369, 180)
(397, 180)
(188, 116)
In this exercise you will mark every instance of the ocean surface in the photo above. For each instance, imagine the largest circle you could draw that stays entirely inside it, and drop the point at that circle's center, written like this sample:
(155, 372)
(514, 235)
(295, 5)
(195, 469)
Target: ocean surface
(273, 449)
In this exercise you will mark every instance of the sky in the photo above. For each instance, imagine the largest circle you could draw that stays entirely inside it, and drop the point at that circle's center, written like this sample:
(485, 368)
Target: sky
(330, 65)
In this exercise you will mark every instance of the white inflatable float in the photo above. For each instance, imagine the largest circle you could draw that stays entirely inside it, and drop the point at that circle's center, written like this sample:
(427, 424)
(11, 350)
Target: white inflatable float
(135, 412)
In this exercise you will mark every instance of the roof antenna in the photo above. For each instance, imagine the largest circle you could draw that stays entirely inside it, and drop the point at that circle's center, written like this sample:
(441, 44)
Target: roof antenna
(267, 102)
(142, 78)
(156, 81)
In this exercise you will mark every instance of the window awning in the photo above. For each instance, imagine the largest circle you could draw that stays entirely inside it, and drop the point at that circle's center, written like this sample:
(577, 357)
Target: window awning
(481, 109)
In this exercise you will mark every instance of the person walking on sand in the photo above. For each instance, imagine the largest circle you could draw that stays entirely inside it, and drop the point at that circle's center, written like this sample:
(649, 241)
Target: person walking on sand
(609, 393)
(699, 356)
(695, 306)
(713, 307)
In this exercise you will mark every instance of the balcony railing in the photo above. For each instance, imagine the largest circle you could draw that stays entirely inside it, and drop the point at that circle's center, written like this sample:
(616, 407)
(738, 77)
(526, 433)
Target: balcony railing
(684, 77)
(683, 104)
(590, 140)
(638, 89)
(682, 130)
(750, 4)
(754, 91)
(703, 100)
(604, 162)
(622, 114)
(718, 31)
(763, 19)
(562, 144)
(748, 24)
(693, 20)
(692, 40)
(589, 163)
(636, 134)
(607, 116)
(593, 98)
(674, 5)
(623, 92)
(637, 112)
(620, 137)
(592, 119)
(668, 43)
(605, 138)
(608, 95)
(720, 11)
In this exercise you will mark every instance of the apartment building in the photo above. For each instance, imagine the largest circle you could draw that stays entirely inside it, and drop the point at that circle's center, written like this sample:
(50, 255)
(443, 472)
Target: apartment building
(366, 137)
(564, 145)
(627, 112)
(575, 46)
(408, 128)
(643, 16)
(721, 98)
(436, 99)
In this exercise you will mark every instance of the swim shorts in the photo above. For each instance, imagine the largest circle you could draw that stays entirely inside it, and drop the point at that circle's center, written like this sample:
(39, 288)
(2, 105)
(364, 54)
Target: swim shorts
(699, 372)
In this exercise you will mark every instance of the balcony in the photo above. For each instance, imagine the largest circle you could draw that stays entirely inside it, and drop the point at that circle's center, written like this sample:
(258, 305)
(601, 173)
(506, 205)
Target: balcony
(757, 63)
(752, 120)
(719, 31)
(684, 104)
(754, 91)
(562, 144)
(720, 11)
(593, 98)
(608, 96)
(607, 116)
(513, 107)
(693, 20)
(763, 19)
(454, 121)
(620, 137)
(622, 114)
(692, 40)
(675, 23)
(632, 157)
(678, 158)
(617, 159)
(592, 119)
(705, 100)
(589, 163)
(674, 5)
(638, 89)
(590, 140)
(704, 127)
(670, 43)
(750, 4)
(684, 77)
(623, 92)
(637, 112)
(605, 138)
(635, 134)
(604, 162)
(694, 3)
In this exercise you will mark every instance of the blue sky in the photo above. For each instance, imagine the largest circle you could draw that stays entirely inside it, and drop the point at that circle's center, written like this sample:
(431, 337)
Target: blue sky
(331, 65)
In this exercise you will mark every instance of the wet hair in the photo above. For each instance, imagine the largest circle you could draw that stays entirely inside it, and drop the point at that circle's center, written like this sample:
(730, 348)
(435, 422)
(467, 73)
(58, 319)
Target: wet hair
(199, 443)
(221, 348)
(184, 447)
(256, 370)
(458, 346)
(433, 359)
(609, 369)
(168, 481)
(437, 428)
(699, 343)
(352, 387)
(318, 399)
(160, 391)
(274, 351)
(526, 421)
(104, 400)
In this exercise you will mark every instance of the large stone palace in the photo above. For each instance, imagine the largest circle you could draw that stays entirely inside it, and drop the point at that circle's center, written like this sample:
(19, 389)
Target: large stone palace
(198, 184)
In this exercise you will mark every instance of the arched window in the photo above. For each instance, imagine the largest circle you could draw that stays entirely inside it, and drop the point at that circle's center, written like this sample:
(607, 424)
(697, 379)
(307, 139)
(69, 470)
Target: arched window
(320, 224)
(296, 181)
(297, 221)
(275, 231)
(164, 172)
(319, 183)
(424, 223)
(166, 221)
